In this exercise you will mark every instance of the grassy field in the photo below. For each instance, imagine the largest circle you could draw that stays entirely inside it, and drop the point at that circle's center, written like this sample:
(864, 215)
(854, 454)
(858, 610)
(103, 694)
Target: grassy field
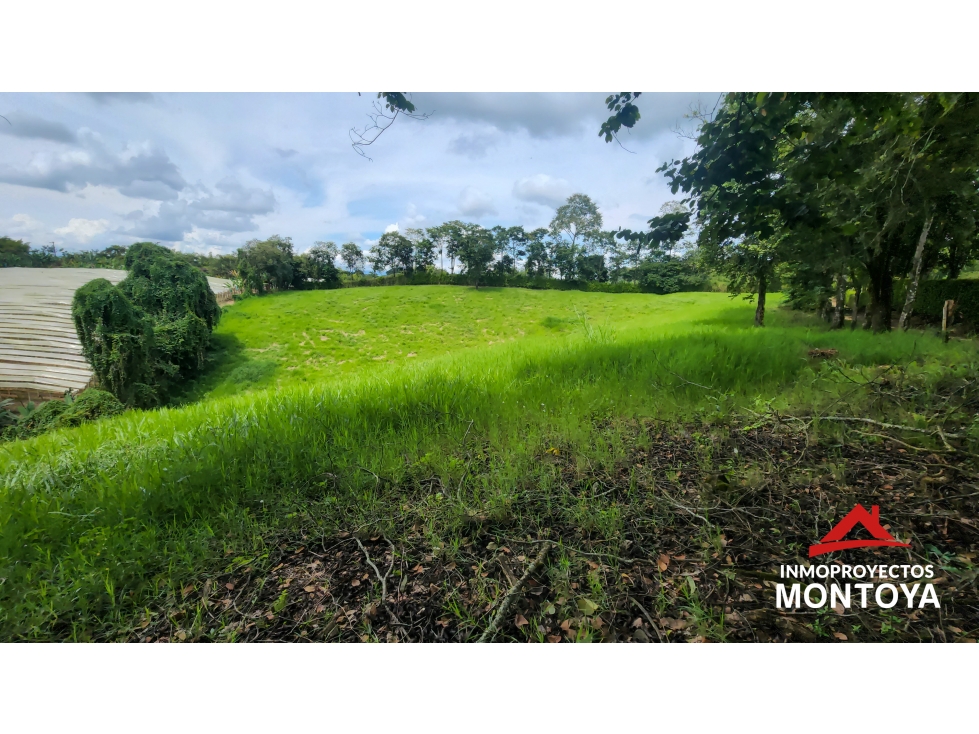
(305, 337)
(598, 422)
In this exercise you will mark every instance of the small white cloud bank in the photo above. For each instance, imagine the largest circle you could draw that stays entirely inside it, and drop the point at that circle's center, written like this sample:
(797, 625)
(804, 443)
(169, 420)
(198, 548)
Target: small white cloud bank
(475, 203)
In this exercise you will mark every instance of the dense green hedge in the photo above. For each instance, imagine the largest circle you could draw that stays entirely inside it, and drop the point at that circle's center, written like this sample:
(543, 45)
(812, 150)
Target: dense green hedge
(149, 333)
(932, 295)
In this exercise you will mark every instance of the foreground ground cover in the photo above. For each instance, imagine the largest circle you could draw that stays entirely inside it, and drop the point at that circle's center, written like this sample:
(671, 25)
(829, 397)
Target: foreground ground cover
(136, 527)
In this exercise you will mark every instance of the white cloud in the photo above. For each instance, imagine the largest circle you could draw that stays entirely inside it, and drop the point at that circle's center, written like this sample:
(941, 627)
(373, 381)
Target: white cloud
(93, 163)
(213, 170)
(83, 229)
(391, 228)
(475, 203)
(412, 218)
(543, 189)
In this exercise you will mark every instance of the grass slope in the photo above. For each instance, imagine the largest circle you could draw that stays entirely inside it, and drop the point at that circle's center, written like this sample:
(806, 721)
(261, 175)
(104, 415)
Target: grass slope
(99, 522)
(305, 337)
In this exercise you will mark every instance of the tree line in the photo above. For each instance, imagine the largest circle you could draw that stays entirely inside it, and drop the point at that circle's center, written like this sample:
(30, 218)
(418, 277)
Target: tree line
(828, 192)
(574, 249)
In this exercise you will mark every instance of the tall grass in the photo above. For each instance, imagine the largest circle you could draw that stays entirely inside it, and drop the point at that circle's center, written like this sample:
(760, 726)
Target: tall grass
(95, 520)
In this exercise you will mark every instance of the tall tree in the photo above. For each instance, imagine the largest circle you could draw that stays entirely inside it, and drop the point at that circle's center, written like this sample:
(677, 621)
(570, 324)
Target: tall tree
(576, 230)
(352, 256)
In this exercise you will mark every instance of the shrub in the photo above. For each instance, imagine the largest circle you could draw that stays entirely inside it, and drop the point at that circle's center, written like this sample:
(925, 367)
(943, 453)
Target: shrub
(671, 275)
(116, 340)
(932, 295)
(89, 405)
(150, 332)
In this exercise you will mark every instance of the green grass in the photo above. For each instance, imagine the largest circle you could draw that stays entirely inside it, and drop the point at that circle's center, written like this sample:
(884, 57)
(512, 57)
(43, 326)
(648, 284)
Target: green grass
(96, 521)
(306, 337)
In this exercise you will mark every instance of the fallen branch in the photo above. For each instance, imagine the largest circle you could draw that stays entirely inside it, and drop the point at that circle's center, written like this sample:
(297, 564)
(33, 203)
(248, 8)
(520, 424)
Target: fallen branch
(845, 419)
(511, 595)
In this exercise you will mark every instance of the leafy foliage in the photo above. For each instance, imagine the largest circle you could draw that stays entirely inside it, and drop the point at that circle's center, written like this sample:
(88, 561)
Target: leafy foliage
(68, 412)
(146, 335)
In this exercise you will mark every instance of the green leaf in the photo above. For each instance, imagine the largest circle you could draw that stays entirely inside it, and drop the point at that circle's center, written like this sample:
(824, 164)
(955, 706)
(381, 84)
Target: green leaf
(587, 606)
(760, 98)
(280, 603)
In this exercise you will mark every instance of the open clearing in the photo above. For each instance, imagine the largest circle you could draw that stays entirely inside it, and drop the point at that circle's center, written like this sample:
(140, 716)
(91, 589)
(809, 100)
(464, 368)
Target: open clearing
(665, 447)
(306, 337)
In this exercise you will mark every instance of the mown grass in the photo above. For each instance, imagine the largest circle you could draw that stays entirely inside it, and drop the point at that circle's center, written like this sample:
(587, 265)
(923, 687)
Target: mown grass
(98, 521)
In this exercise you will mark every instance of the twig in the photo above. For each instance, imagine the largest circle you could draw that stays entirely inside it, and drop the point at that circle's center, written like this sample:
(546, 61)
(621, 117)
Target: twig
(648, 618)
(511, 595)
(685, 508)
(383, 579)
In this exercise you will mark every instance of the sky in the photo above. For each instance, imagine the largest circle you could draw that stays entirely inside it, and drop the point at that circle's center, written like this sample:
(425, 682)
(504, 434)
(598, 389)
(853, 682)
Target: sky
(207, 172)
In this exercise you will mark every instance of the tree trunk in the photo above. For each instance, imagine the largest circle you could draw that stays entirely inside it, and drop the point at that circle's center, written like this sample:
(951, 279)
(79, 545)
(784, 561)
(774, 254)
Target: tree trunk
(839, 313)
(760, 309)
(881, 288)
(954, 264)
(856, 304)
(919, 252)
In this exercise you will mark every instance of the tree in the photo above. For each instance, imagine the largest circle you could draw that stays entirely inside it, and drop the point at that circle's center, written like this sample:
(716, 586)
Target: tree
(664, 234)
(317, 266)
(384, 115)
(474, 246)
(423, 256)
(441, 238)
(538, 263)
(510, 243)
(394, 252)
(14, 253)
(352, 256)
(576, 230)
(267, 264)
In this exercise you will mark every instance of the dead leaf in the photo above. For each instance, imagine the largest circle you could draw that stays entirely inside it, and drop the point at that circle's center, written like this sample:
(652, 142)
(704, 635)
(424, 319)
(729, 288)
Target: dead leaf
(185, 592)
(309, 589)
(840, 636)
(181, 635)
(519, 621)
(554, 638)
(355, 582)
(229, 586)
(662, 562)
(566, 625)
(637, 622)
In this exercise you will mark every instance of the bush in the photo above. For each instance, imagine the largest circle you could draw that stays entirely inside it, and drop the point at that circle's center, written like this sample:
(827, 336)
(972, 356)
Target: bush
(671, 275)
(152, 330)
(89, 405)
(116, 340)
(932, 295)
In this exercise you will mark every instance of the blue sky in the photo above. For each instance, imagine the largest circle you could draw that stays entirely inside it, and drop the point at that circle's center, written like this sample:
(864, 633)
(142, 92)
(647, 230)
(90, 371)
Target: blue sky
(207, 172)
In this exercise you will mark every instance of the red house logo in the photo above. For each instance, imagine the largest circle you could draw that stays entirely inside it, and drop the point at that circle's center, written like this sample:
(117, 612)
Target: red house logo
(833, 540)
